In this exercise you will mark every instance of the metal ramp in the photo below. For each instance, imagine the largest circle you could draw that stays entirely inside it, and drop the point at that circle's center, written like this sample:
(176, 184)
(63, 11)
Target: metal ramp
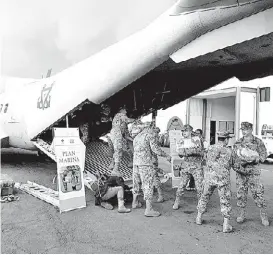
(48, 195)
(97, 158)
(45, 148)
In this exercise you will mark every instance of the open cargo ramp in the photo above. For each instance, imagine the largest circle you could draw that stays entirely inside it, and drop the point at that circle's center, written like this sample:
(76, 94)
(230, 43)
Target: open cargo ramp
(97, 156)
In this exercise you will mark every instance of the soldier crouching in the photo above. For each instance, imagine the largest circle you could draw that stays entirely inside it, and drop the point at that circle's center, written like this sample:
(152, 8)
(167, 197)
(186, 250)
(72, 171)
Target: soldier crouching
(145, 146)
(249, 151)
(217, 175)
(107, 188)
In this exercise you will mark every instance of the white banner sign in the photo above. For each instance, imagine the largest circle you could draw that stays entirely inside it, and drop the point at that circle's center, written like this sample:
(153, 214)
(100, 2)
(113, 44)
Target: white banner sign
(175, 136)
(70, 157)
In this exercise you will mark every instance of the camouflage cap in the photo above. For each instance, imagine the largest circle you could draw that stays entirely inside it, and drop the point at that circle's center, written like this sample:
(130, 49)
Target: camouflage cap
(246, 125)
(157, 129)
(187, 127)
(147, 124)
(122, 107)
(105, 106)
(105, 109)
(136, 125)
(136, 128)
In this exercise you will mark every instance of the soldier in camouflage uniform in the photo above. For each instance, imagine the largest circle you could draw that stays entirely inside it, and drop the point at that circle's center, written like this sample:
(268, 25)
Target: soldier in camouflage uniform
(105, 112)
(248, 174)
(106, 188)
(135, 129)
(217, 175)
(119, 136)
(145, 146)
(157, 182)
(199, 133)
(84, 128)
(191, 164)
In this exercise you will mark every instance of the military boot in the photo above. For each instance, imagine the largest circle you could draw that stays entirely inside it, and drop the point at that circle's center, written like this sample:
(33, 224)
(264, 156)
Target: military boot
(149, 211)
(130, 164)
(176, 203)
(121, 207)
(264, 217)
(242, 215)
(136, 203)
(226, 226)
(116, 171)
(160, 198)
(107, 206)
(112, 164)
(199, 219)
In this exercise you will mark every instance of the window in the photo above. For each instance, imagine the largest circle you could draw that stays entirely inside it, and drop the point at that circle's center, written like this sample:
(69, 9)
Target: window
(226, 126)
(265, 94)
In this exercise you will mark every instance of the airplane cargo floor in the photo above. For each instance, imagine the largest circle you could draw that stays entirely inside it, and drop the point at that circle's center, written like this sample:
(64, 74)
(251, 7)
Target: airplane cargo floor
(97, 159)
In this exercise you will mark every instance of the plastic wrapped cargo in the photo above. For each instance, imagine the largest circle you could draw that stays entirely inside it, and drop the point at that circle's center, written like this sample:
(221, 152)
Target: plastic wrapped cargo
(6, 185)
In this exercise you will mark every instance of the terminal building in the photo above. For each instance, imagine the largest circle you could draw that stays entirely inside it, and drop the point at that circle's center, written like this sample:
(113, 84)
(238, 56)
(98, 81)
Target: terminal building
(225, 106)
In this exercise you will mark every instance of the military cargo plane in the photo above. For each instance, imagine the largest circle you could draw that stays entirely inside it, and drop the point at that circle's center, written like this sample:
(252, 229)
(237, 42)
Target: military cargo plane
(194, 45)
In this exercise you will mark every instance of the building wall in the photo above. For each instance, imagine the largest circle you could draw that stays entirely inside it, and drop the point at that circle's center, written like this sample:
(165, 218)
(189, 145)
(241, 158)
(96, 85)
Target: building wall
(196, 113)
(248, 109)
(219, 109)
(223, 109)
(266, 110)
(163, 116)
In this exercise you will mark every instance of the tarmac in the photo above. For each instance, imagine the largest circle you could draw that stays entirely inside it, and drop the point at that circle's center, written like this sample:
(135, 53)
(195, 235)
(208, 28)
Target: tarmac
(31, 225)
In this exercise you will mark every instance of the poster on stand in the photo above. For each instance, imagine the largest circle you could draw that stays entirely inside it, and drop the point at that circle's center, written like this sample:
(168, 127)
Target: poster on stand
(70, 158)
(175, 136)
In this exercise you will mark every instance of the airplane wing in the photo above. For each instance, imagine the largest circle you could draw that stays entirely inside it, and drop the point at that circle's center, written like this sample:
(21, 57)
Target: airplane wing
(139, 73)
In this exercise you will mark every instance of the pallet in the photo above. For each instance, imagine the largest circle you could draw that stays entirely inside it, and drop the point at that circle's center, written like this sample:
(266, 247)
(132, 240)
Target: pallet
(48, 195)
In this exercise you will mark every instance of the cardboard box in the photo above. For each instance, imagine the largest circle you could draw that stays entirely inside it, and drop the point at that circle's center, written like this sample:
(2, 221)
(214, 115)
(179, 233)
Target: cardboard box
(6, 185)
(176, 171)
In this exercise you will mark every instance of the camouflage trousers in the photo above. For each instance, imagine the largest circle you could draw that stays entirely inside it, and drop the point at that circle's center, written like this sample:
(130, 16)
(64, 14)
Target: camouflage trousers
(198, 176)
(120, 145)
(157, 183)
(224, 195)
(252, 181)
(143, 176)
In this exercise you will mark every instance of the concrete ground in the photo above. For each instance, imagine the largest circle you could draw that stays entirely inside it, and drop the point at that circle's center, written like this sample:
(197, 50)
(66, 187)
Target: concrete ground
(31, 225)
